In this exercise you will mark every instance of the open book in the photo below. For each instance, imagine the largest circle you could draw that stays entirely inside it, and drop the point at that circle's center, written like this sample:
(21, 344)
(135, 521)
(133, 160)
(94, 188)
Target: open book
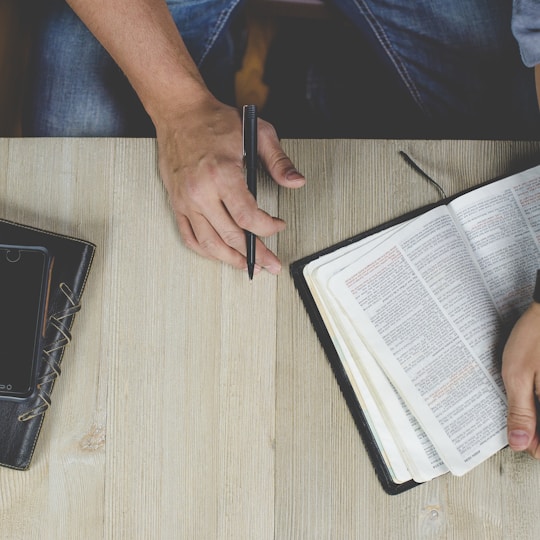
(413, 317)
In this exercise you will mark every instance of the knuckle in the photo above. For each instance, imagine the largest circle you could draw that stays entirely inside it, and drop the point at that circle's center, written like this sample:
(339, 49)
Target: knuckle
(208, 245)
(194, 192)
(520, 416)
(233, 238)
(277, 158)
(190, 242)
(196, 188)
(280, 162)
(244, 219)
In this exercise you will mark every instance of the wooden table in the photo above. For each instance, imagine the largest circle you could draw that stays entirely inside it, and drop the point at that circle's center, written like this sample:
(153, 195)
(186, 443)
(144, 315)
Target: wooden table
(194, 404)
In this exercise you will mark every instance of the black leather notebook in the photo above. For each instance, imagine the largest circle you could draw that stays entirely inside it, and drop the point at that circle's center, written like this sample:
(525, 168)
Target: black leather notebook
(21, 420)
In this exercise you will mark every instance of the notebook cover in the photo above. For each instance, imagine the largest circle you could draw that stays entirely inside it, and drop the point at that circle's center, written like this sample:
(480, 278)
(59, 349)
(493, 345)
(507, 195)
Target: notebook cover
(21, 421)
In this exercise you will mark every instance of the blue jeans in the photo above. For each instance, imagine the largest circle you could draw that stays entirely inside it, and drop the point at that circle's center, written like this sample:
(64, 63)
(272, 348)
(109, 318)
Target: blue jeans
(455, 62)
(76, 89)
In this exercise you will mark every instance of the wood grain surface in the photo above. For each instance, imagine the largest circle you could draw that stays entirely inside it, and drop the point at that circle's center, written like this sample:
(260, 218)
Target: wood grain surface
(195, 404)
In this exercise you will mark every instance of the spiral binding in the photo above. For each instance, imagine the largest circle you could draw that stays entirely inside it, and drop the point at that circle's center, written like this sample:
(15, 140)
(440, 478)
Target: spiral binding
(52, 372)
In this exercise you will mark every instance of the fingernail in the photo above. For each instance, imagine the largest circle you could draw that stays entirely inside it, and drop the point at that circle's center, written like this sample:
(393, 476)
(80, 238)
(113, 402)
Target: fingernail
(518, 439)
(293, 174)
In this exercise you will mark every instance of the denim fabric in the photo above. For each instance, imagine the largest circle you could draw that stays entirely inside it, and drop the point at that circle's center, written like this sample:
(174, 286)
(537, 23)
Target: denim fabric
(457, 60)
(455, 63)
(77, 90)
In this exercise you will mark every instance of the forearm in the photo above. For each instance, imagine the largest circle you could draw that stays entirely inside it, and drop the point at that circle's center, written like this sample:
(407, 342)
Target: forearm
(143, 40)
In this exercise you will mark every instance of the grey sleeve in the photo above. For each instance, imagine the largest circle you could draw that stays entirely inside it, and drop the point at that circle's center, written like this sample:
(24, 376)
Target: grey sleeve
(526, 29)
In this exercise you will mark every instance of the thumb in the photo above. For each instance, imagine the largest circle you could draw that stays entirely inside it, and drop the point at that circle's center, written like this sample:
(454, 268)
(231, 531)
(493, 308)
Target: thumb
(521, 419)
(274, 159)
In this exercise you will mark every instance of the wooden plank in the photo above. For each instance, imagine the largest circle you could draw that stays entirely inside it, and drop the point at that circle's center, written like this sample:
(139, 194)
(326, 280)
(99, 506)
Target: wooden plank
(162, 424)
(195, 404)
(61, 186)
(325, 485)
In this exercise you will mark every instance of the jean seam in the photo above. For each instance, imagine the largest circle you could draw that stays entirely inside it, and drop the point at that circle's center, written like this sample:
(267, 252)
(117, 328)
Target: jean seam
(393, 56)
(220, 24)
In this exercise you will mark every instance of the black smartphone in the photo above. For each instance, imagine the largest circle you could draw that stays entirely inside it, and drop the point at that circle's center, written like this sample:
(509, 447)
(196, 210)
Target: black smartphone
(24, 286)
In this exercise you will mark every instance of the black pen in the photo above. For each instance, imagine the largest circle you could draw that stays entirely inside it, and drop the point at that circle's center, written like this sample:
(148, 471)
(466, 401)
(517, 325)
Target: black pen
(249, 129)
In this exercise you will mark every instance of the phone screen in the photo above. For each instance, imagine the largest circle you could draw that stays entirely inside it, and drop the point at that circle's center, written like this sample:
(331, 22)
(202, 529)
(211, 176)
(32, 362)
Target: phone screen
(23, 293)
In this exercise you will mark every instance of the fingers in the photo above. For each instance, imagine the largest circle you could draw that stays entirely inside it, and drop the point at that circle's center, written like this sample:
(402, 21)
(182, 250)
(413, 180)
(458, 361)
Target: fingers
(200, 236)
(214, 221)
(245, 213)
(216, 228)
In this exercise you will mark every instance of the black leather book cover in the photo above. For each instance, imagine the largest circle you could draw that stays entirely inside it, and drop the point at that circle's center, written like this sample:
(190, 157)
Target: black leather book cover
(21, 421)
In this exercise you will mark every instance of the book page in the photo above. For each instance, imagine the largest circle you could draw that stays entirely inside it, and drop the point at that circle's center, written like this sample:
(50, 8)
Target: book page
(502, 223)
(419, 303)
(384, 405)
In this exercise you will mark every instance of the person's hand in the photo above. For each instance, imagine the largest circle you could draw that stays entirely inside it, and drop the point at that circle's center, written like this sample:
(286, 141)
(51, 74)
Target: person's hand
(521, 376)
(201, 164)
(199, 138)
